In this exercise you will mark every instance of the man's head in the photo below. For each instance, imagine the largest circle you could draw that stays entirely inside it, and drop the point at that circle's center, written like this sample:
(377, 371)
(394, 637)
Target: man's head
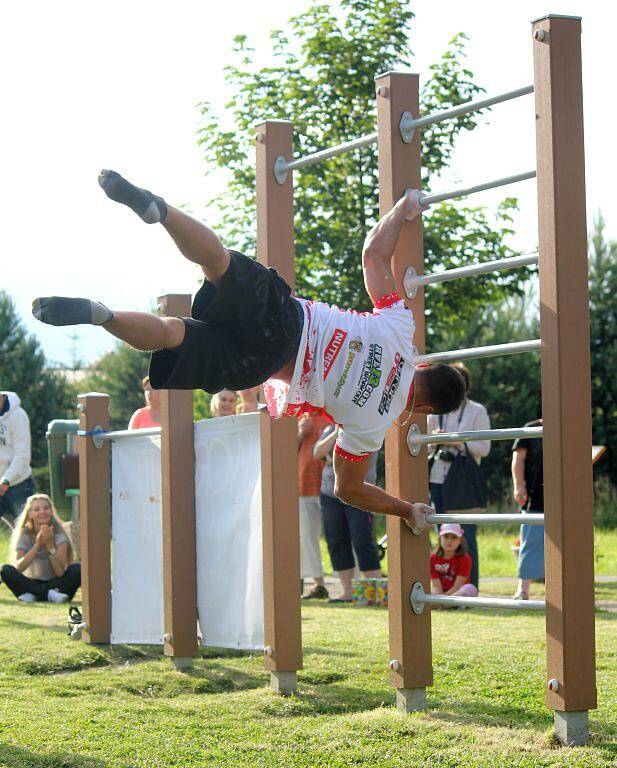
(439, 388)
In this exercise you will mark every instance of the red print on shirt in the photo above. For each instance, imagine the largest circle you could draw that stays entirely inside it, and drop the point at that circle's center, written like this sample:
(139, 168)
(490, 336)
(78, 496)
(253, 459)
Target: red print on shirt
(332, 350)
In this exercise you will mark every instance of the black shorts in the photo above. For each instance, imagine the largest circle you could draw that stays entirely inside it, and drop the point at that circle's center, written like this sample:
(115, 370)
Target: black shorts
(238, 335)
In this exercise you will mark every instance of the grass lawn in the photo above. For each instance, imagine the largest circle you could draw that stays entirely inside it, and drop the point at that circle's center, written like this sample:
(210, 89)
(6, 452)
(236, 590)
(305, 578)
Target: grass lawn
(65, 704)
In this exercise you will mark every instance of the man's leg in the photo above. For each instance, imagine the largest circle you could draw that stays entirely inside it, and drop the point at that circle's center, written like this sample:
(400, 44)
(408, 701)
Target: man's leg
(195, 241)
(142, 330)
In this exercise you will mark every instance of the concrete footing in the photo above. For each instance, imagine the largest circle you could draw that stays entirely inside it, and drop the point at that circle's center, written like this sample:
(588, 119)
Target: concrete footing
(410, 699)
(182, 663)
(284, 683)
(572, 728)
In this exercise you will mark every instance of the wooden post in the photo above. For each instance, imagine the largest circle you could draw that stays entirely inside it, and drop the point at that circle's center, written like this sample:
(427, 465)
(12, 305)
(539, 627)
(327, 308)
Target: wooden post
(566, 398)
(95, 509)
(178, 508)
(406, 477)
(279, 450)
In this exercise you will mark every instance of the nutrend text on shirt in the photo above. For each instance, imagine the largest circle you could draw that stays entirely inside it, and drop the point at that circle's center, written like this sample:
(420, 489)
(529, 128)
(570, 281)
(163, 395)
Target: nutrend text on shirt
(332, 350)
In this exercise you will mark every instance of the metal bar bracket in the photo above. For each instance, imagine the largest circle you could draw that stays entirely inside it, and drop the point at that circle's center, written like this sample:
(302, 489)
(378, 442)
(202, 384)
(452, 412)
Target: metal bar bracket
(414, 448)
(406, 127)
(411, 289)
(416, 597)
(280, 169)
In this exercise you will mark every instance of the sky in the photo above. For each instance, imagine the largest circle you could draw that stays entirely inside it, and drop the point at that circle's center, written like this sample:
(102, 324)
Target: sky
(116, 85)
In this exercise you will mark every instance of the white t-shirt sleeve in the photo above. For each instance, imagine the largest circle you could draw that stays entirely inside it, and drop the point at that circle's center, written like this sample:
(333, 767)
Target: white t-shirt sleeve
(358, 442)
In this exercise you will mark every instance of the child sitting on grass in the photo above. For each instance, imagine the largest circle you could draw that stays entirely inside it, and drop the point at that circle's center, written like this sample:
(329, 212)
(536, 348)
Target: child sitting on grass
(451, 564)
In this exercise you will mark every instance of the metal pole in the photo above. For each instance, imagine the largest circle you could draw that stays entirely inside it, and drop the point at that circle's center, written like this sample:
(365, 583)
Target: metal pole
(463, 109)
(515, 519)
(412, 280)
(127, 433)
(419, 598)
(282, 167)
(430, 199)
(415, 440)
(514, 348)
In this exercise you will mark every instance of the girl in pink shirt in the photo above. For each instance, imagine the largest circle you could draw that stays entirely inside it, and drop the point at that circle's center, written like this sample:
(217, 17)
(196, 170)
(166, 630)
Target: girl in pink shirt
(150, 416)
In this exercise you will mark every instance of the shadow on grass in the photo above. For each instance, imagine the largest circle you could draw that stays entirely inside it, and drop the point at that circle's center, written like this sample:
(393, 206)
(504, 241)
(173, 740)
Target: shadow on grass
(15, 757)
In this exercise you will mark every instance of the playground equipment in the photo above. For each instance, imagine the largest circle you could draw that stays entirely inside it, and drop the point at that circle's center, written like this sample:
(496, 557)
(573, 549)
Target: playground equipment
(566, 431)
(564, 350)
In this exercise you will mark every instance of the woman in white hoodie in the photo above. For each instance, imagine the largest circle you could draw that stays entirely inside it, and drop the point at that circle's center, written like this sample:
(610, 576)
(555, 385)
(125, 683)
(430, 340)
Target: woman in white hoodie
(16, 482)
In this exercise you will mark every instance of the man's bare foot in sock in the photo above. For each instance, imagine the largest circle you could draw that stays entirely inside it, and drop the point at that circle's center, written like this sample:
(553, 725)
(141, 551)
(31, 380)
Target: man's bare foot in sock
(150, 208)
(60, 310)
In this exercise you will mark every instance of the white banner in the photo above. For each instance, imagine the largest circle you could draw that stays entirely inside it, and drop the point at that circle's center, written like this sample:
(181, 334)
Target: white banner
(229, 532)
(229, 535)
(137, 542)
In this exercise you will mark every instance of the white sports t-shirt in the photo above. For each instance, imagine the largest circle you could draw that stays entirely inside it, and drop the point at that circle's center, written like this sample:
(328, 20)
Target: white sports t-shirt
(355, 367)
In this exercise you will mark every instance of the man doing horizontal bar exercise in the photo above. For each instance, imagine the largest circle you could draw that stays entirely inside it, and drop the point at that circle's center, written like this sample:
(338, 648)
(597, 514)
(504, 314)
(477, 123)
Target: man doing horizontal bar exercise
(246, 328)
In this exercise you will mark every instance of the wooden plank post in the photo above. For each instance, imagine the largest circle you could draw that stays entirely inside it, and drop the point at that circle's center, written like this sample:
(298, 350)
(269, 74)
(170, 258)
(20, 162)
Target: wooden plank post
(178, 508)
(406, 477)
(279, 451)
(566, 389)
(95, 511)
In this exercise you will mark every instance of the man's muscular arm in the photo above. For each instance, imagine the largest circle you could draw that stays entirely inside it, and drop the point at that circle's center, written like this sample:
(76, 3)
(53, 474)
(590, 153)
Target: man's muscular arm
(352, 488)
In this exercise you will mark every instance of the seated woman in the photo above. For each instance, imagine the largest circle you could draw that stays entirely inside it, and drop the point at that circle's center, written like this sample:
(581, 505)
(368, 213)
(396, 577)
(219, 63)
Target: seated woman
(451, 564)
(42, 553)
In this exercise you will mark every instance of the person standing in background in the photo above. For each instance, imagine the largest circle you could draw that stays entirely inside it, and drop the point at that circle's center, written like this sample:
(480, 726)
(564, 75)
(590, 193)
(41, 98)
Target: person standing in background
(528, 482)
(249, 400)
(309, 483)
(348, 529)
(150, 415)
(469, 416)
(223, 403)
(16, 483)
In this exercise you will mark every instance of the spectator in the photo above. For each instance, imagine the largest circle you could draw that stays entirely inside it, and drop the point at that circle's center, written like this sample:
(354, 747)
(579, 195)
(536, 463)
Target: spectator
(528, 481)
(16, 482)
(43, 554)
(309, 483)
(224, 403)
(469, 416)
(150, 415)
(249, 400)
(348, 529)
(451, 564)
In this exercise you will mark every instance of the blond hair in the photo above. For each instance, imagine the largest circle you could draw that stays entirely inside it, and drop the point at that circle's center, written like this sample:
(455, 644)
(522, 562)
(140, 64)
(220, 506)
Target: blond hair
(215, 401)
(25, 523)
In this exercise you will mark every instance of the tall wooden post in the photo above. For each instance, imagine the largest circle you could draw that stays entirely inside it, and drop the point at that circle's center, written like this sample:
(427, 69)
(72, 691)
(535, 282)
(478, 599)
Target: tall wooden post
(95, 510)
(566, 398)
(178, 510)
(279, 451)
(406, 477)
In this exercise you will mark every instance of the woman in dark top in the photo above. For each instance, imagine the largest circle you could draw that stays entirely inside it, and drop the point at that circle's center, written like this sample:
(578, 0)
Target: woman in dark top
(528, 481)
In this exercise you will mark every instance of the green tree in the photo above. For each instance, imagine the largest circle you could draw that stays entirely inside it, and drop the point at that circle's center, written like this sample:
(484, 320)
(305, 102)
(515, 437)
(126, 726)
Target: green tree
(322, 79)
(603, 332)
(119, 374)
(44, 393)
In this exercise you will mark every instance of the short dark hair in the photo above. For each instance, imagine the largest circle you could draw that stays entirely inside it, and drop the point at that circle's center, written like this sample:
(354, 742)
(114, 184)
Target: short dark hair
(465, 373)
(446, 387)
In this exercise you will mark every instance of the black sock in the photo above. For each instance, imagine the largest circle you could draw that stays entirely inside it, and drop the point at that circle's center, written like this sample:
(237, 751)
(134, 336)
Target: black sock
(58, 310)
(149, 207)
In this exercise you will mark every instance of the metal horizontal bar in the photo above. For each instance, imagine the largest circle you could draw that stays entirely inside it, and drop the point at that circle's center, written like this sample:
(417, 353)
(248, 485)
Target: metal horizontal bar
(419, 598)
(515, 519)
(415, 440)
(430, 199)
(127, 433)
(412, 280)
(513, 348)
(326, 154)
(470, 106)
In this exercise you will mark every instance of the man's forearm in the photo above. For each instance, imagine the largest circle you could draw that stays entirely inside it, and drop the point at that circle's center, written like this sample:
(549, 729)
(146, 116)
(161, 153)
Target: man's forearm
(373, 499)
(384, 235)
